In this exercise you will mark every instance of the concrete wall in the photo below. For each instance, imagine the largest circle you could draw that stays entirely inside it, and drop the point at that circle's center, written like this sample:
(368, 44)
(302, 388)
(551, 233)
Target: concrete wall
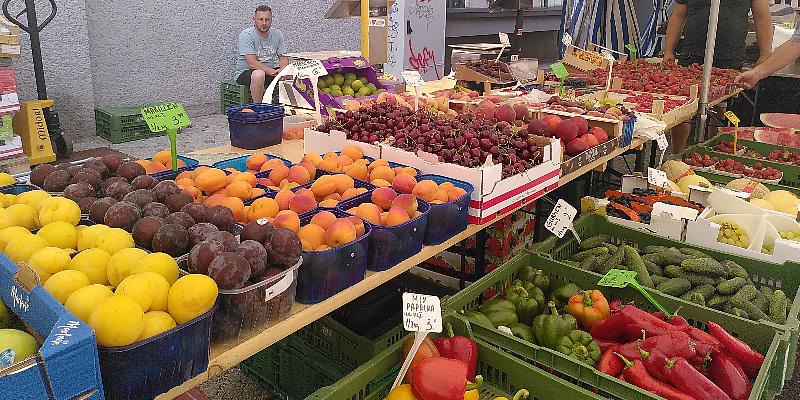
(110, 52)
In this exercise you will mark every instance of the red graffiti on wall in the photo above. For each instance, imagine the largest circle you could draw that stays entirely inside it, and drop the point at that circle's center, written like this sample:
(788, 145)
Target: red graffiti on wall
(423, 60)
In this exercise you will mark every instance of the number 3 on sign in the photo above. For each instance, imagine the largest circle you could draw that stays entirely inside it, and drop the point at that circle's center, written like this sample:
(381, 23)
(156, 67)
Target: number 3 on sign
(560, 219)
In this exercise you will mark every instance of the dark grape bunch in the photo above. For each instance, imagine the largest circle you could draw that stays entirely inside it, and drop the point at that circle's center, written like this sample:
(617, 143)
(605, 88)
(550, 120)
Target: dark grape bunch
(463, 140)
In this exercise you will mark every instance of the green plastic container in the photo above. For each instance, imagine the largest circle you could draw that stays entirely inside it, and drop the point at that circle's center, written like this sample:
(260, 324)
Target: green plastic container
(122, 124)
(350, 349)
(791, 173)
(233, 94)
(503, 375)
(770, 342)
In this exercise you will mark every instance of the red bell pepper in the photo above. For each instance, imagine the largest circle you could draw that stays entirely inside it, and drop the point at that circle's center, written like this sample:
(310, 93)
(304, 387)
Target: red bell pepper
(459, 348)
(440, 378)
(604, 345)
(749, 359)
(729, 376)
(686, 378)
(610, 363)
(636, 374)
(426, 350)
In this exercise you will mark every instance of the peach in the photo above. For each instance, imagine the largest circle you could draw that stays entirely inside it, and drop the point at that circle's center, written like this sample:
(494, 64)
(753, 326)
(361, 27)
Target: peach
(350, 193)
(311, 236)
(405, 170)
(279, 173)
(185, 182)
(404, 183)
(426, 190)
(341, 232)
(312, 169)
(240, 189)
(329, 164)
(369, 212)
(302, 203)
(154, 167)
(353, 152)
(215, 200)
(288, 220)
(442, 196)
(383, 197)
(384, 215)
(199, 170)
(407, 202)
(323, 248)
(362, 161)
(343, 182)
(314, 159)
(283, 197)
(184, 175)
(357, 171)
(323, 219)
(333, 196)
(359, 224)
(396, 216)
(344, 161)
(446, 186)
(286, 185)
(211, 180)
(265, 182)
(258, 192)
(330, 203)
(329, 155)
(298, 174)
(248, 177)
(378, 163)
(255, 161)
(381, 183)
(263, 207)
(304, 192)
(143, 163)
(236, 206)
(192, 191)
(455, 193)
(361, 190)
(323, 186)
(382, 172)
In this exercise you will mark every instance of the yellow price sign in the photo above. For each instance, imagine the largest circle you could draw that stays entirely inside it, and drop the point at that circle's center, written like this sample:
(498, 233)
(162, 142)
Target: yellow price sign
(732, 117)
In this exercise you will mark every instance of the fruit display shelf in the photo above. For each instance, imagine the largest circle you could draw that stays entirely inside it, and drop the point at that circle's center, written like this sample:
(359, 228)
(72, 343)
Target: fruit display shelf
(672, 110)
(585, 60)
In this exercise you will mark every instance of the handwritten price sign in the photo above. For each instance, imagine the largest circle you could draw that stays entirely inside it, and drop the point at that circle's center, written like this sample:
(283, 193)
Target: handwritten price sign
(165, 117)
(566, 39)
(504, 40)
(657, 177)
(310, 68)
(422, 313)
(412, 78)
(560, 219)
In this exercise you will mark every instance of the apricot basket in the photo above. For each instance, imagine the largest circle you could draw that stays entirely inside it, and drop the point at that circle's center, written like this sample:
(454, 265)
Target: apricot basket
(325, 273)
(240, 164)
(448, 219)
(190, 162)
(392, 164)
(358, 183)
(389, 245)
(171, 175)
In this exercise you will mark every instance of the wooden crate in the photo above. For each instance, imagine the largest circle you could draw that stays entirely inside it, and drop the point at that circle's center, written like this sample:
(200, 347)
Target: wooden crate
(462, 73)
(671, 117)
(584, 60)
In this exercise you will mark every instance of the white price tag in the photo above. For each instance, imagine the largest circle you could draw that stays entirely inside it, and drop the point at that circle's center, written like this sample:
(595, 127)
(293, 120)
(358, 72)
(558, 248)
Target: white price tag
(607, 54)
(662, 142)
(422, 313)
(309, 68)
(566, 39)
(514, 57)
(379, 22)
(504, 40)
(560, 219)
(412, 78)
(657, 177)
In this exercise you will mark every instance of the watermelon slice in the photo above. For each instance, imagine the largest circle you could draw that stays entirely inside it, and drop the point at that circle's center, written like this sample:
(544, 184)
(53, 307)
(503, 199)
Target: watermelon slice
(780, 120)
(780, 137)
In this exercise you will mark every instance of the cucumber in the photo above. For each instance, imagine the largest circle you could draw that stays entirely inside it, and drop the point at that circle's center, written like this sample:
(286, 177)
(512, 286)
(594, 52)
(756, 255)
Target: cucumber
(739, 313)
(668, 257)
(673, 271)
(705, 289)
(732, 269)
(658, 279)
(586, 253)
(654, 249)
(611, 247)
(747, 293)
(653, 268)
(747, 306)
(675, 286)
(694, 297)
(594, 241)
(698, 280)
(762, 303)
(692, 252)
(635, 263)
(703, 266)
(588, 263)
(777, 307)
(600, 261)
(717, 301)
(617, 257)
(731, 286)
(766, 290)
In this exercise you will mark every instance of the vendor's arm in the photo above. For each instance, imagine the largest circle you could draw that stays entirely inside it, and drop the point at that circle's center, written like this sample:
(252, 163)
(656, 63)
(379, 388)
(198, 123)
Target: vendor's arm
(783, 56)
(253, 63)
(674, 30)
(763, 21)
(281, 51)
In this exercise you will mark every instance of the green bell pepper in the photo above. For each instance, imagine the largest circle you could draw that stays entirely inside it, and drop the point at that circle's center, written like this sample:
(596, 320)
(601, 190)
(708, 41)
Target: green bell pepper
(535, 276)
(580, 346)
(499, 312)
(523, 332)
(477, 317)
(549, 329)
(562, 293)
(529, 303)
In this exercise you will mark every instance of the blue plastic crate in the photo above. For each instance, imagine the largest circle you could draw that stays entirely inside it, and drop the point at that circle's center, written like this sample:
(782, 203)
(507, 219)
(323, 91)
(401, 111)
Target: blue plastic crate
(447, 220)
(66, 365)
(190, 162)
(325, 273)
(153, 366)
(17, 188)
(253, 130)
(389, 245)
(240, 164)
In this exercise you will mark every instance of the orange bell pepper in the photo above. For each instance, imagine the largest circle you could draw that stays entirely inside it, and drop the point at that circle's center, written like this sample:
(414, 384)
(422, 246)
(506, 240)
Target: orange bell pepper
(588, 307)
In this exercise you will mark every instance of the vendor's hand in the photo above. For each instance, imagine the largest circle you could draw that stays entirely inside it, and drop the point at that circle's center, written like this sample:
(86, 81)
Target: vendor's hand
(669, 57)
(748, 79)
(763, 58)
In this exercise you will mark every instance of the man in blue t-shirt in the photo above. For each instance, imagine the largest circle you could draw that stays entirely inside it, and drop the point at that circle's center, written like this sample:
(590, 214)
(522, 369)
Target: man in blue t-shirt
(260, 54)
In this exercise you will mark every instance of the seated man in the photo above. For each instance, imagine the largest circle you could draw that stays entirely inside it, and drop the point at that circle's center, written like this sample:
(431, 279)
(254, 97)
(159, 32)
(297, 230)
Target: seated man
(260, 55)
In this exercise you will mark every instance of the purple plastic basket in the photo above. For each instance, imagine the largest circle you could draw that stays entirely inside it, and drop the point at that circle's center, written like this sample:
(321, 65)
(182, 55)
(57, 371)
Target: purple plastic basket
(448, 219)
(390, 245)
(325, 273)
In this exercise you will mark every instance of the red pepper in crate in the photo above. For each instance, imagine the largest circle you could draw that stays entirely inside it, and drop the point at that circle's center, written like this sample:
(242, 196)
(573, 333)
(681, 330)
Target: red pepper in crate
(654, 361)
(604, 345)
(440, 378)
(696, 334)
(729, 376)
(686, 378)
(639, 208)
(610, 363)
(636, 374)
(458, 348)
(677, 344)
(426, 350)
(749, 359)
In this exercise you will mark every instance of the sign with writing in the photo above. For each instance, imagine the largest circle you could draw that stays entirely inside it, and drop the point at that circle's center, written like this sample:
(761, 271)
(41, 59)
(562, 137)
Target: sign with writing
(732, 117)
(504, 40)
(634, 51)
(310, 68)
(514, 57)
(412, 78)
(607, 54)
(618, 278)
(422, 313)
(379, 22)
(657, 177)
(559, 70)
(415, 34)
(662, 142)
(566, 39)
(165, 117)
(560, 219)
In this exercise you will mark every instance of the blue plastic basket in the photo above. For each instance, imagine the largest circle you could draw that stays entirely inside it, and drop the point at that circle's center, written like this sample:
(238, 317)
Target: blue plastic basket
(358, 184)
(325, 273)
(392, 164)
(253, 130)
(190, 162)
(389, 245)
(240, 164)
(153, 366)
(447, 220)
(627, 131)
(171, 175)
(17, 188)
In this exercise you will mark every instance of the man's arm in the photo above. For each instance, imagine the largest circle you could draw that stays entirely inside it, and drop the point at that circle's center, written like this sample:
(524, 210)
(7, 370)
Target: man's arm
(783, 56)
(763, 21)
(253, 63)
(284, 61)
(674, 29)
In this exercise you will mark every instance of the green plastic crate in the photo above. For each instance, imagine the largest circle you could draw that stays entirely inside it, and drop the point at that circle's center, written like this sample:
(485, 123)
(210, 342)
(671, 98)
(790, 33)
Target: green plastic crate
(233, 94)
(776, 276)
(503, 375)
(122, 124)
(763, 148)
(770, 342)
(350, 349)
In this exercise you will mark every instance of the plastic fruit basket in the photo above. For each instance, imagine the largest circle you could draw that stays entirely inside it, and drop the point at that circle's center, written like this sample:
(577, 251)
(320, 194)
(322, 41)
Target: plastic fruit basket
(190, 162)
(153, 366)
(357, 183)
(243, 311)
(390, 245)
(325, 273)
(17, 188)
(240, 164)
(503, 375)
(448, 219)
(775, 276)
(171, 175)
(770, 342)
(791, 172)
(253, 130)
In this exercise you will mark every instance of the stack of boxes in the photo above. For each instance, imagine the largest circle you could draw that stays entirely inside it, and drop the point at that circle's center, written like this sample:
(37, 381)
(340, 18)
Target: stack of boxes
(10, 145)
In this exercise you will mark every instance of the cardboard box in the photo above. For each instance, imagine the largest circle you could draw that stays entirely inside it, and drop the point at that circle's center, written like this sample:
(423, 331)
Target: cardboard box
(66, 366)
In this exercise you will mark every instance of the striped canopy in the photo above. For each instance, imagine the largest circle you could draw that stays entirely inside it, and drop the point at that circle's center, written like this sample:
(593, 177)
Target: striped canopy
(608, 23)
(651, 43)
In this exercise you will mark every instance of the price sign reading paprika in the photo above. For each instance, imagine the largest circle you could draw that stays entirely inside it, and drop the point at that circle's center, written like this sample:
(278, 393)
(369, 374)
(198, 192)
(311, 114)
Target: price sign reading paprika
(504, 40)
(422, 313)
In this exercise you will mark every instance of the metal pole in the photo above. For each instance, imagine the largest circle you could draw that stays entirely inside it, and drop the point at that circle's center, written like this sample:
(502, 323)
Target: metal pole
(711, 41)
(516, 46)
